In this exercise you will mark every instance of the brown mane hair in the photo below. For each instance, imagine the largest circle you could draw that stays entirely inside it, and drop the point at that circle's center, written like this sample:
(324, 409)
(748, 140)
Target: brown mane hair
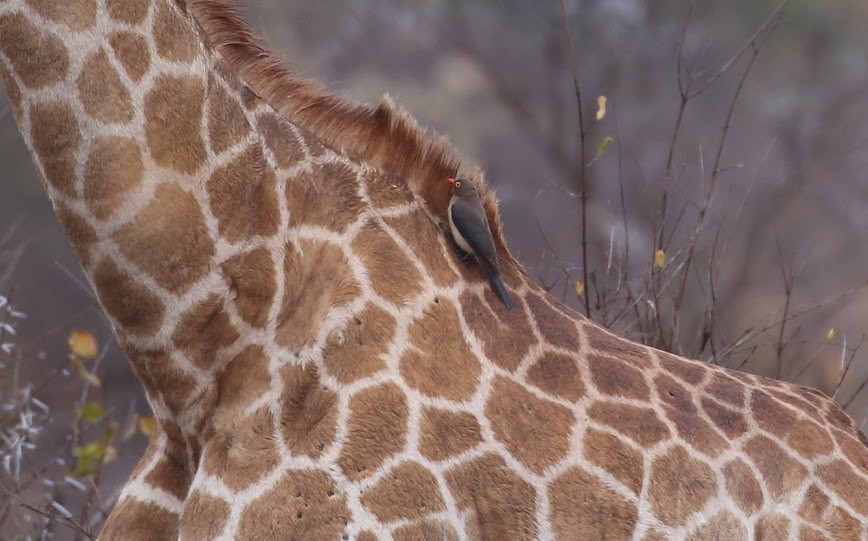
(384, 136)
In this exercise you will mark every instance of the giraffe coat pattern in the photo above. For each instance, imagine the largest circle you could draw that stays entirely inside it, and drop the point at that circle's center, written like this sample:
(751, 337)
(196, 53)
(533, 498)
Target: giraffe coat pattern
(241, 227)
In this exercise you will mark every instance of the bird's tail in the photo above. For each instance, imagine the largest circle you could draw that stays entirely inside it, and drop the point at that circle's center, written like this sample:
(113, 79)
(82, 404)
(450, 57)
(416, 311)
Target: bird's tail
(498, 286)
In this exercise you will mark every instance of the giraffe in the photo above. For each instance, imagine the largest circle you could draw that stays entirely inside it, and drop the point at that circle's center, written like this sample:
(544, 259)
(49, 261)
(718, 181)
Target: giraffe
(274, 261)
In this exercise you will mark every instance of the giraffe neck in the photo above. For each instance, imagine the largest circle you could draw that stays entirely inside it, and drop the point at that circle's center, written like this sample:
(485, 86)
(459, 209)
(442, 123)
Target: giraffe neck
(160, 165)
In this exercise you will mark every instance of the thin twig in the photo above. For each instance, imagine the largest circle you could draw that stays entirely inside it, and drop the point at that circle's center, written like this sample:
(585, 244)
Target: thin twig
(582, 168)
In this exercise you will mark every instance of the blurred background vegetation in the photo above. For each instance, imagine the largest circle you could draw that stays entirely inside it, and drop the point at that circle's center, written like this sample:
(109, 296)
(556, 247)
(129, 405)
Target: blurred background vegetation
(757, 262)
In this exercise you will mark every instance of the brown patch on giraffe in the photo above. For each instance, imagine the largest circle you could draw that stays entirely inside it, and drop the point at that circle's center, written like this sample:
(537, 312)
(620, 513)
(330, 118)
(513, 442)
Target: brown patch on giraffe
(654, 535)
(839, 418)
(674, 395)
(773, 527)
(242, 451)
(502, 345)
(131, 13)
(501, 504)
(171, 225)
(367, 536)
(407, 492)
(445, 434)
(726, 389)
(54, 130)
(696, 431)
(614, 377)
(556, 329)
(852, 449)
(428, 530)
(162, 376)
(844, 527)
(101, 91)
(244, 380)
(797, 401)
(771, 415)
(680, 486)
(76, 14)
(243, 197)
(747, 379)
(840, 478)
(693, 372)
(113, 168)
(38, 57)
(582, 507)
(315, 147)
(440, 364)
(204, 516)
(203, 330)
(603, 341)
(227, 124)
(376, 430)
(309, 292)
(807, 533)
(252, 282)
(279, 139)
(816, 508)
(731, 422)
(809, 440)
(310, 411)
(173, 121)
(170, 473)
(333, 182)
(135, 520)
(723, 525)
(81, 234)
(131, 50)
(417, 230)
(386, 190)
(138, 311)
(558, 375)
(781, 473)
(814, 505)
(640, 424)
(391, 273)
(303, 505)
(743, 487)
(610, 453)
(534, 430)
(173, 34)
(366, 337)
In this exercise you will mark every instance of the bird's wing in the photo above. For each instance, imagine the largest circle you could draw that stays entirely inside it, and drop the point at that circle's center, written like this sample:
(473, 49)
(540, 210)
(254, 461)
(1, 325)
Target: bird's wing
(470, 220)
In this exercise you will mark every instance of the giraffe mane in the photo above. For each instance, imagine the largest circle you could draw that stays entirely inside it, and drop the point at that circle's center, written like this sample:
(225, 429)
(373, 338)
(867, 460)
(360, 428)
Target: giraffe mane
(385, 136)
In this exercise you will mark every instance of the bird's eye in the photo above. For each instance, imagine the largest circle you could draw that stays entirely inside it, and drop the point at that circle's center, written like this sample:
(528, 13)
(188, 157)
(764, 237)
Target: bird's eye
(457, 183)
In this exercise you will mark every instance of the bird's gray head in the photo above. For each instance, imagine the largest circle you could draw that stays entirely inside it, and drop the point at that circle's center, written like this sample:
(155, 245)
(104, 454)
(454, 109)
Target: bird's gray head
(463, 188)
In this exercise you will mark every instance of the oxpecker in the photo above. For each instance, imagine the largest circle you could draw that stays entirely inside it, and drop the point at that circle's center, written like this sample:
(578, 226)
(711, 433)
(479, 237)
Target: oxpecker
(472, 233)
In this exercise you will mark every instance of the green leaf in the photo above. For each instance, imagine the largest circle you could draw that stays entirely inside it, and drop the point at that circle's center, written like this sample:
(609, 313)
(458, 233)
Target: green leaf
(91, 412)
(604, 144)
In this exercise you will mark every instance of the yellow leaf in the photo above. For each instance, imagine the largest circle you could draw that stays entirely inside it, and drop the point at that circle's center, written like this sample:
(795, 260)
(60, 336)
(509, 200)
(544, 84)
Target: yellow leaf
(84, 374)
(831, 334)
(601, 107)
(91, 412)
(147, 425)
(83, 345)
(580, 288)
(659, 258)
(89, 451)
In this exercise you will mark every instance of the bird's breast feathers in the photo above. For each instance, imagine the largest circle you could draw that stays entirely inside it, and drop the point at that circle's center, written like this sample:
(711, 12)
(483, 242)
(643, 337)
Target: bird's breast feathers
(459, 238)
